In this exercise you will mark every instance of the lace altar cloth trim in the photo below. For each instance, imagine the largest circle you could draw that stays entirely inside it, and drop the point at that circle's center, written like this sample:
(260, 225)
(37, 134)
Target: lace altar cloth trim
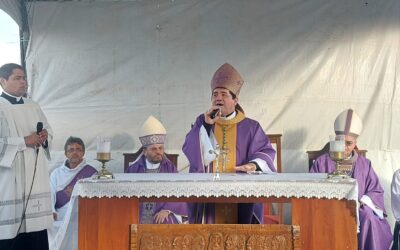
(286, 185)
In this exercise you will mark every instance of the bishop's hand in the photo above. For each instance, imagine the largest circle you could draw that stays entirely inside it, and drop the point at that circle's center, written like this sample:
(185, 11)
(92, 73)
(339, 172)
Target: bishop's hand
(247, 168)
(161, 216)
(212, 114)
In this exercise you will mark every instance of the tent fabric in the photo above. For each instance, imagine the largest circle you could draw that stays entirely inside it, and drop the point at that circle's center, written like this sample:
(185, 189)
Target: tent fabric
(13, 9)
(102, 67)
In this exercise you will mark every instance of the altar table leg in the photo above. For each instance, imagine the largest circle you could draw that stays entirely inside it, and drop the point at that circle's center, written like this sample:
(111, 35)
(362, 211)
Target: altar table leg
(326, 223)
(104, 222)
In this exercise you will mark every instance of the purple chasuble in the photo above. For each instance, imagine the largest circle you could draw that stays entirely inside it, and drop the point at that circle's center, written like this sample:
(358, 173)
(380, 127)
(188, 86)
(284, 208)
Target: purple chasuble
(251, 143)
(63, 196)
(166, 166)
(375, 233)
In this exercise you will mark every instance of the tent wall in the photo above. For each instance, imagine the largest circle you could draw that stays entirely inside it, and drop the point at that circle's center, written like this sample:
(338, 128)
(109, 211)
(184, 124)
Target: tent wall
(12, 8)
(101, 68)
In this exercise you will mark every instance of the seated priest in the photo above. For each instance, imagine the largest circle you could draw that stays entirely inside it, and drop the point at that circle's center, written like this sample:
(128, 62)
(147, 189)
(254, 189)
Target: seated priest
(395, 200)
(153, 160)
(64, 178)
(241, 141)
(375, 231)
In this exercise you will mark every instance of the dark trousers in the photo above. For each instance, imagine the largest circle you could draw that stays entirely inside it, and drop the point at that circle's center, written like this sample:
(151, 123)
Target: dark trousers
(396, 235)
(23, 241)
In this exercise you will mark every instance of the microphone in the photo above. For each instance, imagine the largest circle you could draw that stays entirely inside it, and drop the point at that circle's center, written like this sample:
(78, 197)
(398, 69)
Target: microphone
(214, 113)
(39, 128)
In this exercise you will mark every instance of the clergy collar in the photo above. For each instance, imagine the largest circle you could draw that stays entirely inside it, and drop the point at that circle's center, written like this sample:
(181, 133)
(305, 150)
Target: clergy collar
(352, 158)
(12, 99)
(230, 116)
(150, 165)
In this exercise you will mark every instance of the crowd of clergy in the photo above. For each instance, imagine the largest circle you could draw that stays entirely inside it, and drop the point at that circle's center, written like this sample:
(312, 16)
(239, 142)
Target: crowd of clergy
(33, 204)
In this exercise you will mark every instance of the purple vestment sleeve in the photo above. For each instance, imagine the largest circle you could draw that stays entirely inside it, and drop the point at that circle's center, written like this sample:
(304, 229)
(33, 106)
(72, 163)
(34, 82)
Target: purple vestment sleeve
(252, 143)
(166, 166)
(374, 233)
(371, 186)
(178, 208)
(191, 147)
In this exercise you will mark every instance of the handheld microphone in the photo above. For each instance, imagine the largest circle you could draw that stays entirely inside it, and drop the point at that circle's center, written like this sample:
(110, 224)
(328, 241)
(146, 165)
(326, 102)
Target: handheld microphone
(214, 113)
(39, 128)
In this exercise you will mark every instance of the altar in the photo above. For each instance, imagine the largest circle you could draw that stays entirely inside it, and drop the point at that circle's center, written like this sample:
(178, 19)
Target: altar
(325, 210)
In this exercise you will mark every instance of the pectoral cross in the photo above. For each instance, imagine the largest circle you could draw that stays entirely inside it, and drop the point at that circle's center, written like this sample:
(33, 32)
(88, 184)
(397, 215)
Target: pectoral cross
(224, 153)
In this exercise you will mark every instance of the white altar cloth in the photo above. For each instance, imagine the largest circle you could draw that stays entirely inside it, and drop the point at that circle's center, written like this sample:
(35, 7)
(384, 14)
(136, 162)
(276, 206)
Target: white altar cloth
(285, 185)
(230, 185)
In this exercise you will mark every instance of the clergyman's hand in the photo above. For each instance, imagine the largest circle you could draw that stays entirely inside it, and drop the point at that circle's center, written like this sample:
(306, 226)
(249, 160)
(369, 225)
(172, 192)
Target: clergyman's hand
(33, 140)
(209, 114)
(43, 136)
(247, 168)
(161, 216)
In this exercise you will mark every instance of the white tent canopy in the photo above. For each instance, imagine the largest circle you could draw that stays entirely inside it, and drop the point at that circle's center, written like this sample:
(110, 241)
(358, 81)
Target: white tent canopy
(102, 67)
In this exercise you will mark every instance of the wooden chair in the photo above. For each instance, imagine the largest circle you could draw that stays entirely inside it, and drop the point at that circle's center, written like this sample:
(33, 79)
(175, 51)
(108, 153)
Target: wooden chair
(129, 158)
(269, 217)
(313, 155)
(275, 139)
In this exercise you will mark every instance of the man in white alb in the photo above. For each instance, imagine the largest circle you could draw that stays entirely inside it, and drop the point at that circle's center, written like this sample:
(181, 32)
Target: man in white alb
(62, 182)
(25, 200)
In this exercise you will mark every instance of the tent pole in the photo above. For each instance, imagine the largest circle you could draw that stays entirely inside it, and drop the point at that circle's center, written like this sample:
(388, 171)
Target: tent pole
(24, 32)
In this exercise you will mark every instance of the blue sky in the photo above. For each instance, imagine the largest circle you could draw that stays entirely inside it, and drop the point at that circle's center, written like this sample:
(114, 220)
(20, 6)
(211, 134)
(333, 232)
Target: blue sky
(9, 40)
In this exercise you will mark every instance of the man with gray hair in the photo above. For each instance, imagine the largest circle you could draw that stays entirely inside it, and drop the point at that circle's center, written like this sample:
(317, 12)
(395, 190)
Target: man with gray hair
(62, 182)
(64, 177)
(375, 231)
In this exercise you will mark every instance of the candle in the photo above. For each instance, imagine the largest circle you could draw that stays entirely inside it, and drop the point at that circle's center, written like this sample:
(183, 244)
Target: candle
(103, 148)
(337, 146)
